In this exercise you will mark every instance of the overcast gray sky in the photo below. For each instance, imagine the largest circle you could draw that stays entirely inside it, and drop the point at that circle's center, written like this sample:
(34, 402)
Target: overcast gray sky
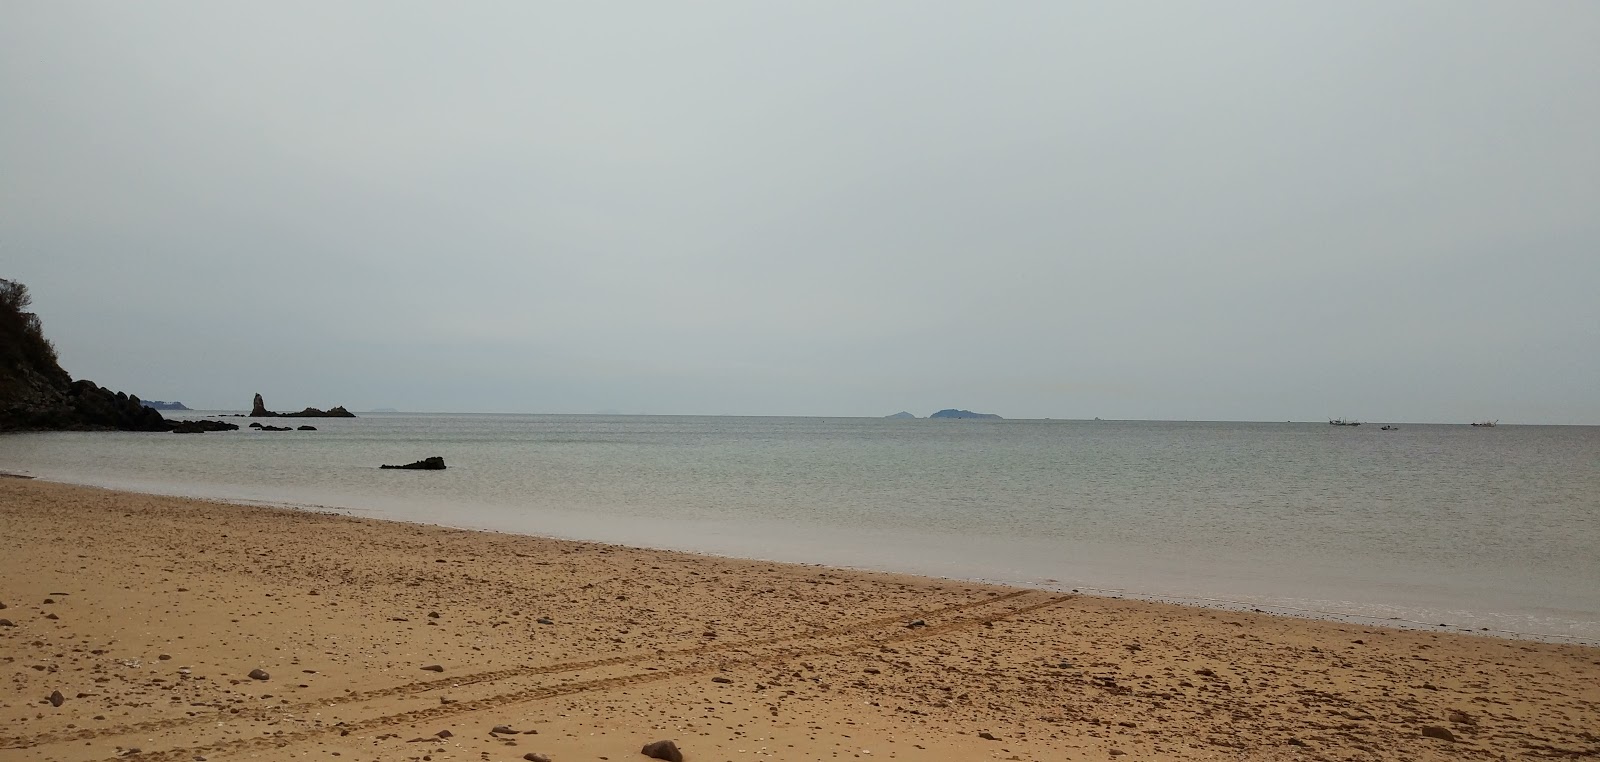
(1267, 211)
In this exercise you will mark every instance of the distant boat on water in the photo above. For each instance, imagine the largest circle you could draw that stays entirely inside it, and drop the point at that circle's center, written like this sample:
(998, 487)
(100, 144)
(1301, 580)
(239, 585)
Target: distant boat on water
(1389, 428)
(1487, 424)
(1343, 422)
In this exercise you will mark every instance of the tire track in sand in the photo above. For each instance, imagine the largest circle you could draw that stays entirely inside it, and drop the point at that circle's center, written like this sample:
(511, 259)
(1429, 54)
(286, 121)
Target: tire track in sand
(183, 754)
(423, 686)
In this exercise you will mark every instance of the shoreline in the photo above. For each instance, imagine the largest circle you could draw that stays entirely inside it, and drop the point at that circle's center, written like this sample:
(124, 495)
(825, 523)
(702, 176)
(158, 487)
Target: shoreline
(1204, 602)
(146, 613)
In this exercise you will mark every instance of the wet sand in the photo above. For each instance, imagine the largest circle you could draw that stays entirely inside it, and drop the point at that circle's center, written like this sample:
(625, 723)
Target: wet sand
(389, 641)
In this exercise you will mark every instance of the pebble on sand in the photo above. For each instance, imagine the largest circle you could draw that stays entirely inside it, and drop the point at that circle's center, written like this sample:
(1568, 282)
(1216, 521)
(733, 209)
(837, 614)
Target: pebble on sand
(434, 668)
(1434, 731)
(666, 750)
(56, 699)
(533, 757)
(259, 674)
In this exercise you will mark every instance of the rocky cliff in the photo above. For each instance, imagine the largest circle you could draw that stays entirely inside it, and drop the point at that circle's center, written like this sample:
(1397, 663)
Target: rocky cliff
(37, 394)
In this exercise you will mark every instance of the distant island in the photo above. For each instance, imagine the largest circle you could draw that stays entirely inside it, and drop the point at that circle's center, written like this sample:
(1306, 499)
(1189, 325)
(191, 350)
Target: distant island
(160, 405)
(901, 414)
(953, 413)
(259, 410)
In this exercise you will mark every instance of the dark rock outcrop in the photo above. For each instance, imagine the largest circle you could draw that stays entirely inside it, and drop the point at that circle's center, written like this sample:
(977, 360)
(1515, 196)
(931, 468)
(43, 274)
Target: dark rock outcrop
(259, 410)
(902, 414)
(160, 405)
(434, 463)
(201, 427)
(36, 394)
(953, 413)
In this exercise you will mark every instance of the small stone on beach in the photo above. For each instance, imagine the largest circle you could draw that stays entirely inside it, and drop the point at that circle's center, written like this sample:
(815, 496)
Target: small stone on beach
(1434, 731)
(433, 668)
(666, 750)
(56, 699)
(259, 674)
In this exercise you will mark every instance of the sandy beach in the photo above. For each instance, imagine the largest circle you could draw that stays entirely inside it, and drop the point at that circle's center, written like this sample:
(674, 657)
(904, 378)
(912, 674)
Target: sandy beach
(135, 622)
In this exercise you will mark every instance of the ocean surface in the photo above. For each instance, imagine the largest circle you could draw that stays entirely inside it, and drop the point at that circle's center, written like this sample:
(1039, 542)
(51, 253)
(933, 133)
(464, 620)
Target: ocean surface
(1493, 530)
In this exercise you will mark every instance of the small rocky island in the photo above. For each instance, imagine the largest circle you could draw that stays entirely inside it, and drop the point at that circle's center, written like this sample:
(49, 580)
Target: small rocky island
(901, 414)
(259, 410)
(953, 413)
(161, 405)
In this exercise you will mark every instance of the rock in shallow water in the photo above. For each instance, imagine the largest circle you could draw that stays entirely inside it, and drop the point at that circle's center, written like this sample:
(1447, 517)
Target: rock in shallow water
(434, 463)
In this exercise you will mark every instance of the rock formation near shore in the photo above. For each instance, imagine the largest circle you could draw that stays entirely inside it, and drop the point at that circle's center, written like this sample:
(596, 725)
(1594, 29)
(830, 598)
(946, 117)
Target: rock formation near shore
(163, 405)
(201, 427)
(36, 394)
(259, 410)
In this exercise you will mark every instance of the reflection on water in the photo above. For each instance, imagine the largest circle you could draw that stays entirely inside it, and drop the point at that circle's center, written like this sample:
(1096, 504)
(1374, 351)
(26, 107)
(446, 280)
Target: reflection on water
(1494, 528)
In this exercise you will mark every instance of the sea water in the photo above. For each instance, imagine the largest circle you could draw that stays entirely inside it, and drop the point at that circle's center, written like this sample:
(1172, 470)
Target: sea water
(1485, 529)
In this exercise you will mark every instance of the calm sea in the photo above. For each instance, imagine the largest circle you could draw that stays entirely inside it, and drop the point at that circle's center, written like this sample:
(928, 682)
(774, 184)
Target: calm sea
(1494, 529)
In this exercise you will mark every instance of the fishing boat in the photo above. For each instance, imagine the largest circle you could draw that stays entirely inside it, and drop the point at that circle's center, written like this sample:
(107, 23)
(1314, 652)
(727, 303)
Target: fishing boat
(1343, 422)
(1487, 424)
(1389, 428)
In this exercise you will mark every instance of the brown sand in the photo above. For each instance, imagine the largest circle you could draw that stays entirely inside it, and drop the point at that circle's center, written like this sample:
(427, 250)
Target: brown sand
(149, 613)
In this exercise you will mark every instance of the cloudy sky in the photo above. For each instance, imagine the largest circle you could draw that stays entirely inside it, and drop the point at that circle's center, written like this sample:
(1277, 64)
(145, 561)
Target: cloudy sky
(1260, 211)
